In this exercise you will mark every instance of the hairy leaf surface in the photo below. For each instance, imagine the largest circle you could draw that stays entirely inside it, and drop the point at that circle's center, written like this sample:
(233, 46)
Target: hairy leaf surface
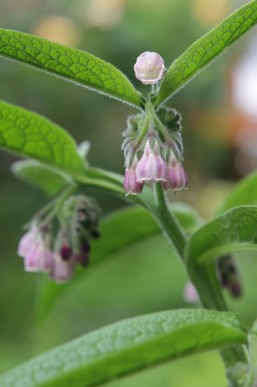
(48, 180)
(31, 135)
(244, 193)
(206, 49)
(234, 231)
(68, 63)
(128, 346)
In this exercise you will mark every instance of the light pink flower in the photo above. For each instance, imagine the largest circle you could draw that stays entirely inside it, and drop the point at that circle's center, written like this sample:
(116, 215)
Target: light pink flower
(176, 175)
(62, 270)
(149, 68)
(35, 250)
(131, 185)
(26, 241)
(38, 258)
(151, 168)
(176, 178)
(190, 293)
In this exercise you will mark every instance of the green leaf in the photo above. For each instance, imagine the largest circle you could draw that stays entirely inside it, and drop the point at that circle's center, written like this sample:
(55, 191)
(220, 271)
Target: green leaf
(133, 225)
(206, 49)
(245, 192)
(252, 338)
(31, 135)
(48, 180)
(127, 347)
(235, 231)
(68, 63)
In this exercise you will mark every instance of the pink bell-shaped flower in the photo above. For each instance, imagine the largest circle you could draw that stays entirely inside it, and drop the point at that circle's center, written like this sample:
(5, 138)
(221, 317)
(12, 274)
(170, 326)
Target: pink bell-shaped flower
(149, 68)
(151, 168)
(131, 185)
(176, 176)
(62, 270)
(39, 258)
(27, 240)
(34, 247)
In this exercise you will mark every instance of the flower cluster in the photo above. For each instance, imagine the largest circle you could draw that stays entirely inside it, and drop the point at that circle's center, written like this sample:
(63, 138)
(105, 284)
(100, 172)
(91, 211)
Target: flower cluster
(152, 168)
(156, 158)
(58, 255)
(152, 141)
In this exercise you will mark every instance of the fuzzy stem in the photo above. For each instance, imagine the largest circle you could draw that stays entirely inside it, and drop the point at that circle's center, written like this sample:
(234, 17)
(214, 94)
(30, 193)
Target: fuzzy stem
(168, 222)
(146, 125)
(57, 204)
(234, 356)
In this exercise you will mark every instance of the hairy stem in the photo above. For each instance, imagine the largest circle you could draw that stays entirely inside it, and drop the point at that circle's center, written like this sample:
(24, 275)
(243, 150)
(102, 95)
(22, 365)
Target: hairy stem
(168, 222)
(207, 285)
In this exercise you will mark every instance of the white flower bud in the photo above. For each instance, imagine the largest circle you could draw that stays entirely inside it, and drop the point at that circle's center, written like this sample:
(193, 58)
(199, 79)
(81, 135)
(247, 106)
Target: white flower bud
(149, 68)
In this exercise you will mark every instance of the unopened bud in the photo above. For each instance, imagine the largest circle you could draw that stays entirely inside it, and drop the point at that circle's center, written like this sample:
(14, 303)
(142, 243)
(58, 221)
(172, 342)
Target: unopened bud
(65, 252)
(149, 68)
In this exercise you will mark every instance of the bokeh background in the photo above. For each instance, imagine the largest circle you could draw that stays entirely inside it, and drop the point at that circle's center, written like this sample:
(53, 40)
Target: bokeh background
(219, 111)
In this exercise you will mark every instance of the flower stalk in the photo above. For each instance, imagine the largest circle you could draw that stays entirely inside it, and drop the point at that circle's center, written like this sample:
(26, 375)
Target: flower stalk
(236, 358)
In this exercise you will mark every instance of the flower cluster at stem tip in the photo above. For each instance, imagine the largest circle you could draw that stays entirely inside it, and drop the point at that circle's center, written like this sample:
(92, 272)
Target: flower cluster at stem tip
(58, 253)
(152, 145)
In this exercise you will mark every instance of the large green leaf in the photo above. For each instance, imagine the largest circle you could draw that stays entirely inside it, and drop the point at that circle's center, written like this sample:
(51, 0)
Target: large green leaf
(49, 180)
(234, 231)
(31, 135)
(133, 225)
(245, 192)
(206, 49)
(68, 63)
(128, 346)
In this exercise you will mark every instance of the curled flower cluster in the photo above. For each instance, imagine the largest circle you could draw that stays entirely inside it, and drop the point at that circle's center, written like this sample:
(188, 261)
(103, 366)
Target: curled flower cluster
(58, 256)
(152, 145)
(153, 168)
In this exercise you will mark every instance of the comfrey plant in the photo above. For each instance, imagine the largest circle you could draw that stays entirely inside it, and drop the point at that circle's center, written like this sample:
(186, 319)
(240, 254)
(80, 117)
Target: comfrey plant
(58, 255)
(59, 236)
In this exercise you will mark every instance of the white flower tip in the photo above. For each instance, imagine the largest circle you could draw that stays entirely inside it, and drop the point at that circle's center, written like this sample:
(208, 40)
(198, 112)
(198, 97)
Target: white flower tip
(149, 68)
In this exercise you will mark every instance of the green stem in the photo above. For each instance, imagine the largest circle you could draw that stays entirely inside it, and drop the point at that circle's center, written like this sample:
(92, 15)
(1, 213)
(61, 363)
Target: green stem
(168, 222)
(235, 356)
(146, 124)
(159, 125)
(57, 204)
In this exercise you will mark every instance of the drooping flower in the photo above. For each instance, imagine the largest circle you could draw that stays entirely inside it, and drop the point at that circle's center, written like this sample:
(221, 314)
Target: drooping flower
(151, 168)
(26, 241)
(62, 270)
(131, 185)
(176, 175)
(81, 256)
(149, 68)
(34, 247)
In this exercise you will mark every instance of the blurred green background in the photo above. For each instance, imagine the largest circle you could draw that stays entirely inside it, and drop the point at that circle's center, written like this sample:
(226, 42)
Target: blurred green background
(219, 121)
